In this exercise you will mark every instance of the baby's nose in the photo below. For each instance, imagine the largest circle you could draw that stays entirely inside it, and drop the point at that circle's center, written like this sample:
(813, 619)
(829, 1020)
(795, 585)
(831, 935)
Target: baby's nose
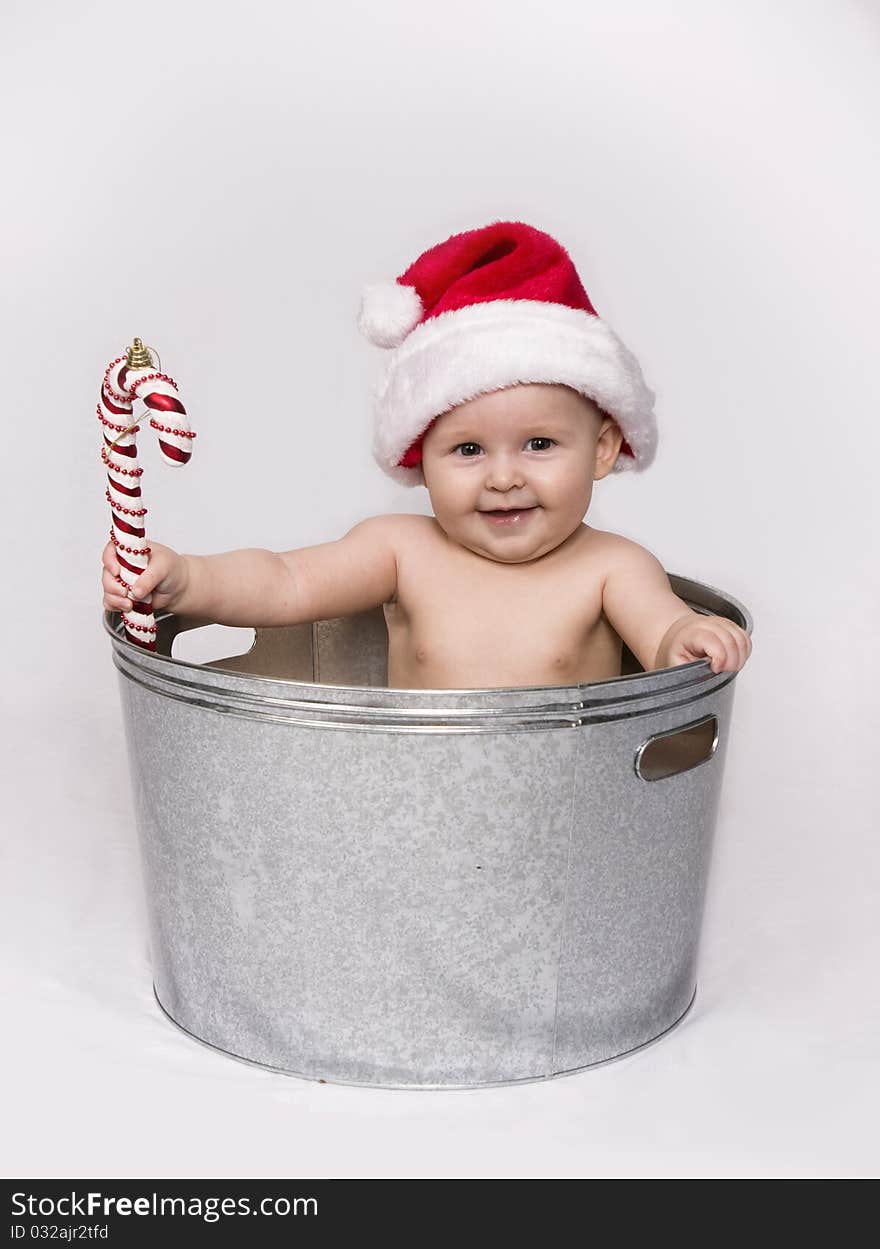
(504, 473)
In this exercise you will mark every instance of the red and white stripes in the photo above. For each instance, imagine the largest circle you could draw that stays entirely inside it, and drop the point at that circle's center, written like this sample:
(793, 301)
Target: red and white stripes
(121, 386)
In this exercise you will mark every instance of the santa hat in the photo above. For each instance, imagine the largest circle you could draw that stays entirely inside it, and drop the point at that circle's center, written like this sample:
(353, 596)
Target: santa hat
(485, 310)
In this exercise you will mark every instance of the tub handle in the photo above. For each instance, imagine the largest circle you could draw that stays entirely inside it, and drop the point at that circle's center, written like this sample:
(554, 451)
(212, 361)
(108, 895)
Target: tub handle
(677, 750)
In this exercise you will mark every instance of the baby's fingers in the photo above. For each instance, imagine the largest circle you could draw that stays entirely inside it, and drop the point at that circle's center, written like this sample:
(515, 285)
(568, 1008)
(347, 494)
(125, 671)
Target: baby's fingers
(738, 644)
(157, 577)
(115, 602)
(113, 583)
(743, 644)
(145, 582)
(116, 597)
(109, 560)
(728, 647)
(716, 651)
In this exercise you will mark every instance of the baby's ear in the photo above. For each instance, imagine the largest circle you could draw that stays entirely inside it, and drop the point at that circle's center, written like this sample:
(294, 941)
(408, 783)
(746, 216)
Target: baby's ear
(608, 446)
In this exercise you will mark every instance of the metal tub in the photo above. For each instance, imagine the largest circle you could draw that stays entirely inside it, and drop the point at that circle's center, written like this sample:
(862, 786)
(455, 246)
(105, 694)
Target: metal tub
(414, 888)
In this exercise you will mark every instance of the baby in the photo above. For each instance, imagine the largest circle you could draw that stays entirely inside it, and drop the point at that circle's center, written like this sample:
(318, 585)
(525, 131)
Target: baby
(507, 397)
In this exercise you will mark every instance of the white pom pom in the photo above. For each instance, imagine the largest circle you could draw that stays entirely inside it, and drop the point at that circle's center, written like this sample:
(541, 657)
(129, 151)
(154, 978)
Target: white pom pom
(389, 310)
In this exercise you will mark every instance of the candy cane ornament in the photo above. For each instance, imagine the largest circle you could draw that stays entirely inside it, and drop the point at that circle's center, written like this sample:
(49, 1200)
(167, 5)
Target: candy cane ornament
(126, 379)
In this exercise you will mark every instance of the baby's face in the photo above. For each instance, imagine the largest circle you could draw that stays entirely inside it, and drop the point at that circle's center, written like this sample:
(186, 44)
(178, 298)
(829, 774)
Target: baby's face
(532, 450)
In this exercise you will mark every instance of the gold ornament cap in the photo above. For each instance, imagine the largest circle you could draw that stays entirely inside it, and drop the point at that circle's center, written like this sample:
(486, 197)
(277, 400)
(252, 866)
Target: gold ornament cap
(138, 356)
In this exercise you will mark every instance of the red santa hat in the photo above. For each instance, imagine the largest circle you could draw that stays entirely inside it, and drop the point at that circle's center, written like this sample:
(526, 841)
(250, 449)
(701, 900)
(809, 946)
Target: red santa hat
(485, 310)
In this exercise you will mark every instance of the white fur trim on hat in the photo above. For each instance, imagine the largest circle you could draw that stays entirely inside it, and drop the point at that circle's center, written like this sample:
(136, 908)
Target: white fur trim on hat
(466, 352)
(389, 310)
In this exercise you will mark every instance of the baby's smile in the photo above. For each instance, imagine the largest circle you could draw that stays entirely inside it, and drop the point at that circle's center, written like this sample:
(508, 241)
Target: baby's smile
(508, 516)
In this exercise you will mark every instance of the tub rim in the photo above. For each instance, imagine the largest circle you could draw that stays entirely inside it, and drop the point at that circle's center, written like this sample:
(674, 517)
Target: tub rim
(282, 699)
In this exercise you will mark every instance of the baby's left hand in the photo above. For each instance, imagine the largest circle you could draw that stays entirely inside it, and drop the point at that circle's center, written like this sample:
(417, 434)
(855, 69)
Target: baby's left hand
(716, 638)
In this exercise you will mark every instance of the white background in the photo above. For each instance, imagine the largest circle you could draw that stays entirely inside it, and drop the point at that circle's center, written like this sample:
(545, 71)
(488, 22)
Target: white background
(222, 180)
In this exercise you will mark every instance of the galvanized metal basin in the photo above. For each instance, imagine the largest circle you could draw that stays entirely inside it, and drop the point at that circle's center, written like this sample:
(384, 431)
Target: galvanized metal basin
(413, 888)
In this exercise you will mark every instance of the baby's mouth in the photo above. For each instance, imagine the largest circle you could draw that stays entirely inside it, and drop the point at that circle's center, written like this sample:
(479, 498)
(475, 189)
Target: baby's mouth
(509, 515)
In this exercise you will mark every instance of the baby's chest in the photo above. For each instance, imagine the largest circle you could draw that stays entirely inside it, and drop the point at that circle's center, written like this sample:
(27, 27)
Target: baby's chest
(497, 619)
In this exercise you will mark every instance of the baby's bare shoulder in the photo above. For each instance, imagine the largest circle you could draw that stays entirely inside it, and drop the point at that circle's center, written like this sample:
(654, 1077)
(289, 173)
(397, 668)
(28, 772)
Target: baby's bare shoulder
(406, 531)
(613, 546)
(399, 528)
(408, 536)
(619, 555)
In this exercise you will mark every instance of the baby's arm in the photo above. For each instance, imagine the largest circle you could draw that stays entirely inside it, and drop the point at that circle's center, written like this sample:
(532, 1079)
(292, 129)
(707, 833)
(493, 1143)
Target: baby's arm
(657, 626)
(265, 588)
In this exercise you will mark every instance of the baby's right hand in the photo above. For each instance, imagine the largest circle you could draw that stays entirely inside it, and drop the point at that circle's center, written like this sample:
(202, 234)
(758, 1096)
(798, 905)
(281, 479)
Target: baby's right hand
(165, 576)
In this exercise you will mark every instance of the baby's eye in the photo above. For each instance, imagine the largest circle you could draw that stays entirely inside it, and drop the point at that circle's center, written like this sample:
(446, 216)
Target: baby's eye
(464, 447)
(549, 442)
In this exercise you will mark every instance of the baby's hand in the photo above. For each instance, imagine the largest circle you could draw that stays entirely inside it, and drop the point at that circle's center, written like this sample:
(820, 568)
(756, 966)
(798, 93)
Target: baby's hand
(706, 637)
(165, 576)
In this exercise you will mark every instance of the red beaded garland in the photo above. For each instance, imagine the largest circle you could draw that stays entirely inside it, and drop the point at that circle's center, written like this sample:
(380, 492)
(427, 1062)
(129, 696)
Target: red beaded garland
(148, 377)
(122, 429)
(126, 399)
(117, 468)
(129, 624)
(131, 550)
(166, 429)
(128, 511)
(162, 377)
